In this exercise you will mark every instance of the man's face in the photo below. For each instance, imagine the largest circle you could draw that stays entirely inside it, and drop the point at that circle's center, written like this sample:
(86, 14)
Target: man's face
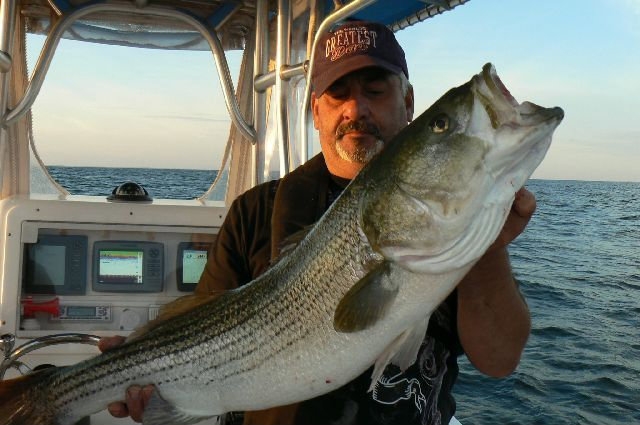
(356, 115)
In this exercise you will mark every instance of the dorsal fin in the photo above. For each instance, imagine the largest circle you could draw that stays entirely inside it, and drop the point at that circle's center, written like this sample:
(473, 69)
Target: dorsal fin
(173, 309)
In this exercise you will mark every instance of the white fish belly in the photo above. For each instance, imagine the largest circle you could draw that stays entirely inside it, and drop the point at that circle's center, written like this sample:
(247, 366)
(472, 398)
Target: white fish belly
(325, 359)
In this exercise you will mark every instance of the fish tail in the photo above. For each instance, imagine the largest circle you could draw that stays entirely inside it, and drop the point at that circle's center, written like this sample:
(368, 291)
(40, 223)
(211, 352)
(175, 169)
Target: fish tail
(21, 400)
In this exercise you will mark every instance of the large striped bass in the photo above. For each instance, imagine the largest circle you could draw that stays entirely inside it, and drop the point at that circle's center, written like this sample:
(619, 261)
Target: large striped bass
(356, 291)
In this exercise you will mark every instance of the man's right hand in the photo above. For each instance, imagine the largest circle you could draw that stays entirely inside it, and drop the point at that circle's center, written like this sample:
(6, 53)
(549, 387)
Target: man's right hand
(136, 397)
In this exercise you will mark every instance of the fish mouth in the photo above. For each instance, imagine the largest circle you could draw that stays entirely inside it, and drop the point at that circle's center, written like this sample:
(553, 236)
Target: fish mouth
(522, 131)
(496, 86)
(503, 109)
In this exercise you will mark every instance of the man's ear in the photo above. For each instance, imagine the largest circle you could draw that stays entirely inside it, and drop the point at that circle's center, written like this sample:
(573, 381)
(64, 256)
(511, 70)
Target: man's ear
(314, 109)
(408, 103)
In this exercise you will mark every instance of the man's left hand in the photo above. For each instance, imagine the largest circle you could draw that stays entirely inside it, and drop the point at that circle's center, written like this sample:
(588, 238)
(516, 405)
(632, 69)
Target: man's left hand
(522, 209)
(493, 318)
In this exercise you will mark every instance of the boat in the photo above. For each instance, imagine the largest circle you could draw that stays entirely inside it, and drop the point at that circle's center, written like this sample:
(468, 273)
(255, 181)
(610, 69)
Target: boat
(74, 268)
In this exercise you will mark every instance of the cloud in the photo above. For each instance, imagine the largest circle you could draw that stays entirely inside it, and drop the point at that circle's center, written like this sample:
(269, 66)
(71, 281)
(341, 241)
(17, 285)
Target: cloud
(187, 118)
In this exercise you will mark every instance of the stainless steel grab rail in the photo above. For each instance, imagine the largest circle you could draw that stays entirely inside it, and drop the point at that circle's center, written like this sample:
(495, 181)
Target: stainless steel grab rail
(11, 355)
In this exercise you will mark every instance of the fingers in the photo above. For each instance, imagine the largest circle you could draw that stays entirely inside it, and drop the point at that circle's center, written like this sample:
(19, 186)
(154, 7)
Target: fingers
(136, 397)
(118, 409)
(522, 209)
(524, 203)
(109, 342)
(136, 400)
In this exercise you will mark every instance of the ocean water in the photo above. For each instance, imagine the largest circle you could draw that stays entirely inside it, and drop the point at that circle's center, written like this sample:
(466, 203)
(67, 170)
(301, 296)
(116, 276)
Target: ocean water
(578, 264)
(161, 183)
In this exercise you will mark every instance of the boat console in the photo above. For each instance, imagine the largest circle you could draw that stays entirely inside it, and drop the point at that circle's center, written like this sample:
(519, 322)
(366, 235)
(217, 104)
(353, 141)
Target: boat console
(101, 268)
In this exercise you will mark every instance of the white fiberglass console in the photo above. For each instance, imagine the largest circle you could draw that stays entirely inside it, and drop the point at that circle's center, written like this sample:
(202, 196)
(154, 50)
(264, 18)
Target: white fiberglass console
(93, 267)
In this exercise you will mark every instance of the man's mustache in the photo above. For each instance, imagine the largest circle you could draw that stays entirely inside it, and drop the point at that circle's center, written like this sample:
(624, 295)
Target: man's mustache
(357, 125)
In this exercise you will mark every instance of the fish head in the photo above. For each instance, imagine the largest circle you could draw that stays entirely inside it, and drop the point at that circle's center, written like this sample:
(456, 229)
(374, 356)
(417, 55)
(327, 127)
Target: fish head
(440, 192)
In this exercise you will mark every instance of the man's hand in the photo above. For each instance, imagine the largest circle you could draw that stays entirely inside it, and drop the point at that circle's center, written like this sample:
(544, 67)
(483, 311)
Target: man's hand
(136, 397)
(522, 209)
(493, 318)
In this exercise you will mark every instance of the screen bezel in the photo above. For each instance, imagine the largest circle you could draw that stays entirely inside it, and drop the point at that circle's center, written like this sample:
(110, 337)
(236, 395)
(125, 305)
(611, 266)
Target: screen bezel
(182, 247)
(75, 265)
(153, 273)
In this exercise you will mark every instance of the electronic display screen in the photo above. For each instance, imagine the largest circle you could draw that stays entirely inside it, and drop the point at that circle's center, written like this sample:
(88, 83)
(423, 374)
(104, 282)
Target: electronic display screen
(81, 311)
(49, 264)
(120, 266)
(55, 264)
(128, 266)
(193, 262)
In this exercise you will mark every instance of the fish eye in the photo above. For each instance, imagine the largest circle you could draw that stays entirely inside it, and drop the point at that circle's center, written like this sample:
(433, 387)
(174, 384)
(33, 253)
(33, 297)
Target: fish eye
(439, 124)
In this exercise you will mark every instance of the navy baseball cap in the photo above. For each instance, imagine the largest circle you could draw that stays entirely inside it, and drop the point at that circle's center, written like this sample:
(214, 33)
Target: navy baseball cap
(354, 45)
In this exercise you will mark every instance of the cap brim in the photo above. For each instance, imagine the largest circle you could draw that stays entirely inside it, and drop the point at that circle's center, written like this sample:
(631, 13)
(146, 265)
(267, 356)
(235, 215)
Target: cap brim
(346, 66)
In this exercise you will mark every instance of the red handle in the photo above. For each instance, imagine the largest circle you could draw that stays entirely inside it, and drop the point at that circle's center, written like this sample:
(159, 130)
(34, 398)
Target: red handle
(30, 308)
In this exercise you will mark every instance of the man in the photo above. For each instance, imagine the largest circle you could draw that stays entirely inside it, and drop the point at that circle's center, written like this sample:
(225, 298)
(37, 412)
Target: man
(361, 98)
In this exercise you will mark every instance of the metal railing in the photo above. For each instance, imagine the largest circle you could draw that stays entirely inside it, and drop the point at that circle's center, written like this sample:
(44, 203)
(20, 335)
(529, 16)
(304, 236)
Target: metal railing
(65, 22)
(11, 355)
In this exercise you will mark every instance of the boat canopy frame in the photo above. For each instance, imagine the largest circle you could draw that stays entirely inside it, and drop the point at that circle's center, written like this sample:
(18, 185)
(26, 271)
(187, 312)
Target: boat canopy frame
(276, 104)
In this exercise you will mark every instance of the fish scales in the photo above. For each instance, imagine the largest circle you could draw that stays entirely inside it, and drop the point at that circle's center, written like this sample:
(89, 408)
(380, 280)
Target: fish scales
(357, 291)
(266, 311)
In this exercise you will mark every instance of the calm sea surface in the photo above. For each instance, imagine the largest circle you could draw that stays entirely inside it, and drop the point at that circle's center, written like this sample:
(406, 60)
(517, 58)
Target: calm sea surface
(160, 183)
(578, 264)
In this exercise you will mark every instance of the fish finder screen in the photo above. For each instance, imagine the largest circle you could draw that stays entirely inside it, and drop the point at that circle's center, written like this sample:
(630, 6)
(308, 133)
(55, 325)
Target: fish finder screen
(193, 262)
(120, 266)
(55, 264)
(49, 264)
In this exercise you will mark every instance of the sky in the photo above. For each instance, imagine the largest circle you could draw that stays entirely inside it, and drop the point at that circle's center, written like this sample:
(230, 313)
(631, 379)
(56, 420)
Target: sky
(135, 107)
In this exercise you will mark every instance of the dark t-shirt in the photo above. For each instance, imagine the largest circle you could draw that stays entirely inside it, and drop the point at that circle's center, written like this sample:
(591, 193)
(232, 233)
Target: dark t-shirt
(256, 225)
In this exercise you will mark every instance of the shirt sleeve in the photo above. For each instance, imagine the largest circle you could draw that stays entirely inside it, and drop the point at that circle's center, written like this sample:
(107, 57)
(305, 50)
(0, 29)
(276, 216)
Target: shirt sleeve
(241, 251)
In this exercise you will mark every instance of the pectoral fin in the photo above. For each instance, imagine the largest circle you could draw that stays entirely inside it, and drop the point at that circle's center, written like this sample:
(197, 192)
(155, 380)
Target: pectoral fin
(366, 302)
(402, 352)
(161, 412)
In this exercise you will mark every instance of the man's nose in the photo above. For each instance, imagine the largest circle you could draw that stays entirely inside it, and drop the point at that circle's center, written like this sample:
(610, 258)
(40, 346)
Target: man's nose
(356, 107)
